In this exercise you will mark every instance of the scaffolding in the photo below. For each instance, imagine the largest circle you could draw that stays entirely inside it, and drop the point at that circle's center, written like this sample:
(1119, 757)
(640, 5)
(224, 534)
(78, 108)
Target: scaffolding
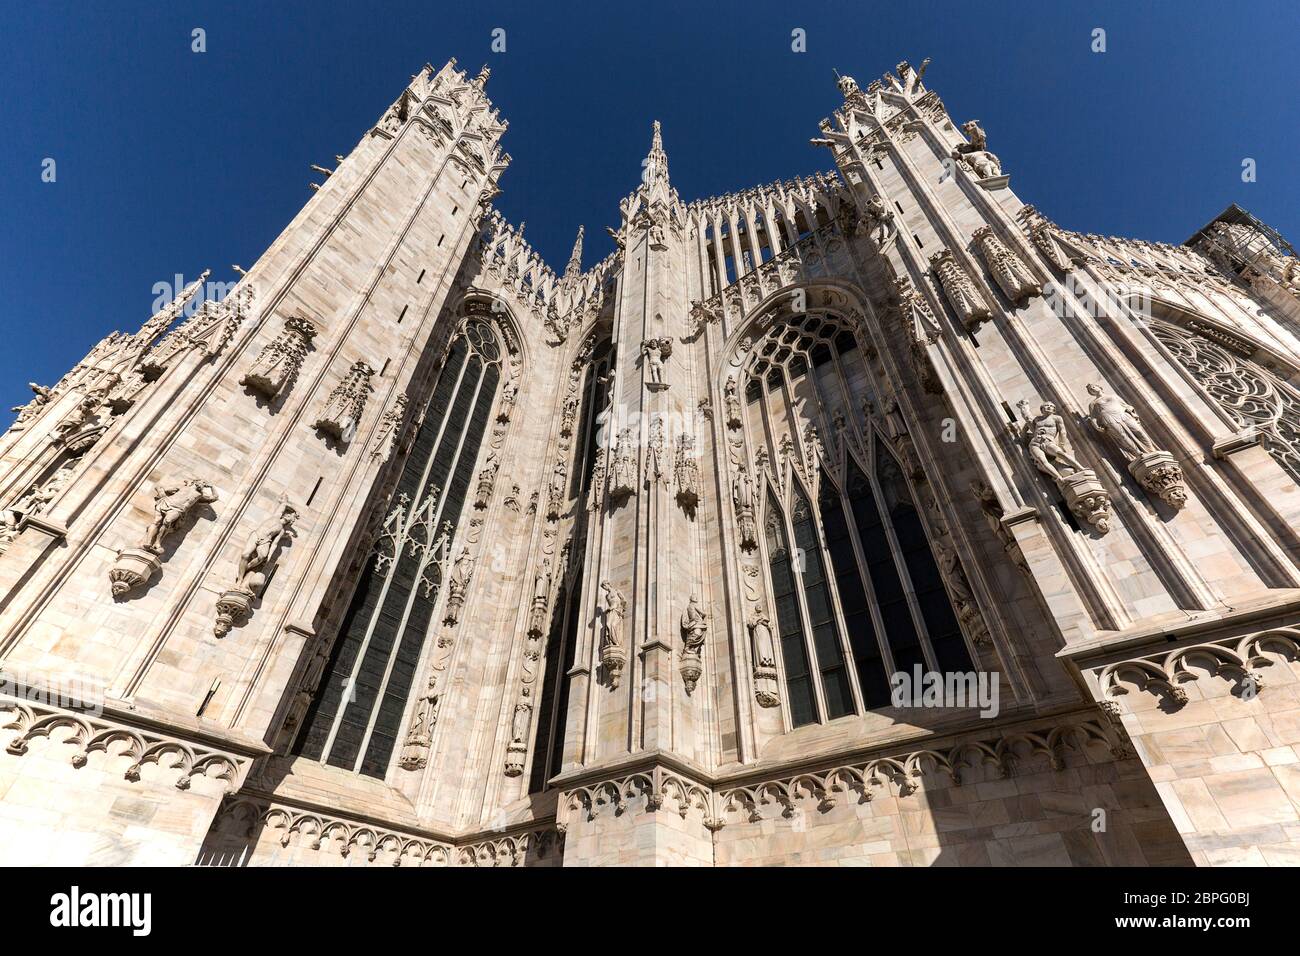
(1245, 245)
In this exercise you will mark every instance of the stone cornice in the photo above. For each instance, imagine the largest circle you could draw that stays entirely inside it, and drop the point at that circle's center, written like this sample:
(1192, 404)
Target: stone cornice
(1277, 607)
(665, 782)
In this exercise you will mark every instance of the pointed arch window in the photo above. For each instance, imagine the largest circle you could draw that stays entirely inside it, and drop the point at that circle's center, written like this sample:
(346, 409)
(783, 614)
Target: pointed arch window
(353, 722)
(562, 640)
(858, 593)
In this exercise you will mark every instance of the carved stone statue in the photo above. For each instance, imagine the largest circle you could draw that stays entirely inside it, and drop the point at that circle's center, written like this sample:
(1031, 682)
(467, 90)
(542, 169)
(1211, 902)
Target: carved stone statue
(763, 647)
(519, 726)
(694, 625)
(255, 564)
(508, 395)
(655, 351)
(569, 414)
(41, 396)
(462, 571)
(555, 490)
(686, 471)
(1155, 469)
(486, 481)
(1119, 422)
(541, 598)
(732, 402)
(172, 501)
(1047, 441)
(881, 220)
(31, 503)
(259, 553)
(742, 496)
(976, 152)
(612, 652)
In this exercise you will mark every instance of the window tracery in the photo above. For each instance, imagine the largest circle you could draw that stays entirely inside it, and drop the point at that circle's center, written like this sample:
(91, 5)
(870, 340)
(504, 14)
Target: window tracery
(355, 718)
(857, 591)
(1250, 395)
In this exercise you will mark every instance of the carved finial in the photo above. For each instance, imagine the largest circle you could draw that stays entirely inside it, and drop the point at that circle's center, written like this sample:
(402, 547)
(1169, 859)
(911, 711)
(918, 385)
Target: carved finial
(480, 81)
(574, 268)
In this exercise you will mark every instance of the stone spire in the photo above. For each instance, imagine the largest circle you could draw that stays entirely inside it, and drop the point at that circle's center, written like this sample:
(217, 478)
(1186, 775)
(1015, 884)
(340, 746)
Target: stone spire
(480, 81)
(654, 171)
(574, 268)
(159, 322)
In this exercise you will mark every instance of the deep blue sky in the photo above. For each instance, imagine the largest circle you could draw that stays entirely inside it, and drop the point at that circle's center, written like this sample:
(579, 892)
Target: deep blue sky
(170, 161)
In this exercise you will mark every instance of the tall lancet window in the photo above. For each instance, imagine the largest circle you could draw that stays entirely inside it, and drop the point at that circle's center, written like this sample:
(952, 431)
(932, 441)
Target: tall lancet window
(1249, 394)
(354, 720)
(562, 639)
(856, 591)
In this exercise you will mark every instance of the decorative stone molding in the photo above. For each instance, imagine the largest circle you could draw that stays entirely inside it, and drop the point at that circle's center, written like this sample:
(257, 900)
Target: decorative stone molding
(1164, 673)
(960, 290)
(921, 330)
(278, 363)
(90, 734)
(623, 473)
(899, 774)
(659, 787)
(656, 465)
(686, 473)
(1007, 268)
(1042, 233)
(311, 829)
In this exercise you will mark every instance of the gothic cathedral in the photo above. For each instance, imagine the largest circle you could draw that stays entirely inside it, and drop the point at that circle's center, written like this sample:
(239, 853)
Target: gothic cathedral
(868, 517)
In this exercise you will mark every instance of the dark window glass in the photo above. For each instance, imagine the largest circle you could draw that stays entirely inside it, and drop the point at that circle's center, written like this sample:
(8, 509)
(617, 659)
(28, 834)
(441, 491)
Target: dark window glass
(821, 615)
(900, 631)
(799, 689)
(858, 624)
(940, 622)
(374, 661)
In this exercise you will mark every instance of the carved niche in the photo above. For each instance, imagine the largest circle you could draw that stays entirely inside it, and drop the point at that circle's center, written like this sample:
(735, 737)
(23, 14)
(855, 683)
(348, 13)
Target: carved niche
(278, 363)
(342, 412)
(960, 289)
(1008, 269)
